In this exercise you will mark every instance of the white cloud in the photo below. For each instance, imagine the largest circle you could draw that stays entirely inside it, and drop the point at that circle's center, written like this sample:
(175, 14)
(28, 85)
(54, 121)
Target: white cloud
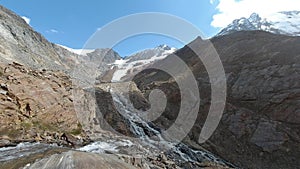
(228, 10)
(52, 31)
(212, 1)
(26, 19)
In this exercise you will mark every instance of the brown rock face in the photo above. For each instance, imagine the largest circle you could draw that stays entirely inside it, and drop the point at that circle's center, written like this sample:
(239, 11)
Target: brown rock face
(36, 105)
(260, 125)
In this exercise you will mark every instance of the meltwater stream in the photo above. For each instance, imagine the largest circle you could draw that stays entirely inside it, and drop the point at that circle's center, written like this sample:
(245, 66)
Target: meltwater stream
(145, 131)
(23, 150)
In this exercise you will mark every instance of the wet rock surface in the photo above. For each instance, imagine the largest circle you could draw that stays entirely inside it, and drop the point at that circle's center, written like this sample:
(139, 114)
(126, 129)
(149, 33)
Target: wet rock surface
(80, 160)
(27, 153)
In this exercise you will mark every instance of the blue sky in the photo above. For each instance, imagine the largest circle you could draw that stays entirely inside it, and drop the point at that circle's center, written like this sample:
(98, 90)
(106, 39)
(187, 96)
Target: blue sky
(71, 23)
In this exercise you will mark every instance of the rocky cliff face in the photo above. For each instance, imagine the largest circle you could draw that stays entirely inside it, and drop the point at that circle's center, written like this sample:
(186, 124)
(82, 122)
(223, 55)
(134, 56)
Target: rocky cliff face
(260, 126)
(37, 106)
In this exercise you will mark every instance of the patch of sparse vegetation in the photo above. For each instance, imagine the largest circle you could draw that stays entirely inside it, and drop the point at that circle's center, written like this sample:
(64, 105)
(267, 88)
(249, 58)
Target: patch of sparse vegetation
(26, 125)
(78, 130)
(13, 133)
(44, 126)
(1, 71)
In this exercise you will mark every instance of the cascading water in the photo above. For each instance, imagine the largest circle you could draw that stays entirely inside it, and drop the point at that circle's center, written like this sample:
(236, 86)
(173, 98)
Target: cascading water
(146, 132)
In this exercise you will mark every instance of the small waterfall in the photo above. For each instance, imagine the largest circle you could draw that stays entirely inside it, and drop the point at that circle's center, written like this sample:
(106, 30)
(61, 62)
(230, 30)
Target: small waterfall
(146, 132)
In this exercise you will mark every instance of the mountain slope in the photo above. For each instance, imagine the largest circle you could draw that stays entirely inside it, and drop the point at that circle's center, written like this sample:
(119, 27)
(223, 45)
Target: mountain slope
(261, 122)
(285, 23)
(20, 43)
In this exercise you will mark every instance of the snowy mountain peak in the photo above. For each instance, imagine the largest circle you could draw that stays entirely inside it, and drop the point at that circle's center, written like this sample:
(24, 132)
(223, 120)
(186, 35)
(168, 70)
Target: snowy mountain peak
(164, 47)
(149, 53)
(286, 23)
(254, 18)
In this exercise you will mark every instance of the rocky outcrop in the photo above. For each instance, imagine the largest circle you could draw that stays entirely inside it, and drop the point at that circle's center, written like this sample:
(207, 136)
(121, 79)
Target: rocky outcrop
(37, 106)
(260, 126)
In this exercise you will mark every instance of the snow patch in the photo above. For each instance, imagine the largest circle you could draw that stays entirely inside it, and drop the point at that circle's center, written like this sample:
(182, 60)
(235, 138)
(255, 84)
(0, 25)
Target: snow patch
(26, 19)
(124, 65)
(83, 52)
(287, 23)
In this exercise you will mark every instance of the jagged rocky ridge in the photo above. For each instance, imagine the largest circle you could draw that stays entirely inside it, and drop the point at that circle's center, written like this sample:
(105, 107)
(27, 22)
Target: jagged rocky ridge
(285, 23)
